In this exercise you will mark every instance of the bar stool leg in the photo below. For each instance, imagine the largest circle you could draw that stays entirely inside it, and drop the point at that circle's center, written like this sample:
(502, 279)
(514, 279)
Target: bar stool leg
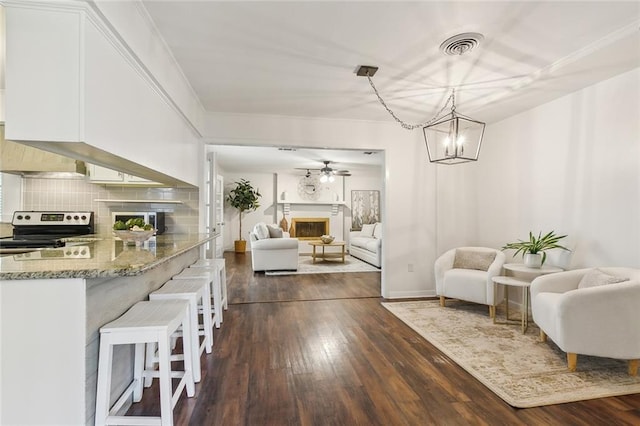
(138, 370)
(164, 370)
(149, 363)
(217, 296)
(105, 360)
(206, 319)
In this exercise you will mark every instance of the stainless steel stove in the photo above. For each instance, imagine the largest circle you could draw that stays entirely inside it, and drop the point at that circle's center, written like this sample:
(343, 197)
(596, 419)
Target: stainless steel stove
(33, 230)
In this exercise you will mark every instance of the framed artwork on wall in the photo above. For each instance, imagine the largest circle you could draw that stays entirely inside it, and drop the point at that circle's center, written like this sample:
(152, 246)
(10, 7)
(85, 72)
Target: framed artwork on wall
(365, 208)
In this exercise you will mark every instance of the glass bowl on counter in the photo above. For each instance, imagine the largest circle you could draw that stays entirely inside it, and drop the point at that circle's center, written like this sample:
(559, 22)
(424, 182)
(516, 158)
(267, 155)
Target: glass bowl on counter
(134, 237)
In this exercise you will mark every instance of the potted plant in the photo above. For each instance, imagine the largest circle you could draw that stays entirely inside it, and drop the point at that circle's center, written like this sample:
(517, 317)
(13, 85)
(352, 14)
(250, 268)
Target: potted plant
(533, 250)
(244, 198)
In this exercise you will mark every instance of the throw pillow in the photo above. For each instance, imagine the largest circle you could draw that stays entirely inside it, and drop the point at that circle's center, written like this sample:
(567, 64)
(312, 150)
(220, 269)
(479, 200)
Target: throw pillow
(367, 230)
(377, 233)
(596, 277)
(472, 259)
(261, 231)
(274, 231)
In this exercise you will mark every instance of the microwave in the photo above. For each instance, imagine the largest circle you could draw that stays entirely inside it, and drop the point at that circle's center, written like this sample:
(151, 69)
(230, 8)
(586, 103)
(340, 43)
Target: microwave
(156, 219)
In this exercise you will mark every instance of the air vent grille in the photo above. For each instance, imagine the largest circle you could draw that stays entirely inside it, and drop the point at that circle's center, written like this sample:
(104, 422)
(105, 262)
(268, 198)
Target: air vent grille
(461, 43)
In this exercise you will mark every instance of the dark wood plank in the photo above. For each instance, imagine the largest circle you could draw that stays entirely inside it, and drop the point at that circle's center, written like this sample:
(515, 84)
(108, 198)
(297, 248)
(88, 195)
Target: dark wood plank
(319, 349)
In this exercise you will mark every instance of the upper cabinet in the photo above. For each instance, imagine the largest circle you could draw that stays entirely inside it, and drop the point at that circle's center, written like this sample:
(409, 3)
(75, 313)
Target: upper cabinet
(74, 87)
(103, 175)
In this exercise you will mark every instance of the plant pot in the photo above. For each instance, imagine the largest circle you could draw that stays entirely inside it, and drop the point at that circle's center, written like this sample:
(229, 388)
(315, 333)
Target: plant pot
(240, 246)
(533, 260)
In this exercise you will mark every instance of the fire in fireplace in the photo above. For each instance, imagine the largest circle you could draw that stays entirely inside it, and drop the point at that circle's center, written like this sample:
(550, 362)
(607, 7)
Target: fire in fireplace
(309, 228)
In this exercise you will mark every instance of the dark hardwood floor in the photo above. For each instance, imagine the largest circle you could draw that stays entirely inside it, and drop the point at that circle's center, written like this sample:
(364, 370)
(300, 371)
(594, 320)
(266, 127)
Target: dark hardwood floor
(320, 350)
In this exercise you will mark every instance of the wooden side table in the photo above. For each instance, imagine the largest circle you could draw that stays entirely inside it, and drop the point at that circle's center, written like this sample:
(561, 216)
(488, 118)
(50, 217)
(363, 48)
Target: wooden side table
(324, 255)
(523, 280)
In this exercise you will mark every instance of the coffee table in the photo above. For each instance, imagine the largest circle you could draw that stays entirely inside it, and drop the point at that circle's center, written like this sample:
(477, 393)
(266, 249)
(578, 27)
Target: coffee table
(330, 255)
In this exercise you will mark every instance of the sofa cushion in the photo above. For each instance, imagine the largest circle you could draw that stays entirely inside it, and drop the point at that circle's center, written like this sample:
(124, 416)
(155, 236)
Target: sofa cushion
(372, 245)
(377, 232)
(596, 277)
(367, 230)
(261, 231)
(473, 259)
(360, 241)
(274, 231)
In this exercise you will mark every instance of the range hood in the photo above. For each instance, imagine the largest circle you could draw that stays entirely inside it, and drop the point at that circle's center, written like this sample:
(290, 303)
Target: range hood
(25, 160)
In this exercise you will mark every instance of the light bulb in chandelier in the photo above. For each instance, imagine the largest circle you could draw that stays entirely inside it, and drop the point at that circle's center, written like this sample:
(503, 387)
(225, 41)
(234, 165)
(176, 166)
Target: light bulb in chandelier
(324, 178)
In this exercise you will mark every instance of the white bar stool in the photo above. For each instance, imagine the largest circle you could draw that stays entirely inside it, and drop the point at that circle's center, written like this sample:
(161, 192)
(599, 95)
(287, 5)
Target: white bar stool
(145, 322)
(197, 293)
(210, 275)
(220, 269)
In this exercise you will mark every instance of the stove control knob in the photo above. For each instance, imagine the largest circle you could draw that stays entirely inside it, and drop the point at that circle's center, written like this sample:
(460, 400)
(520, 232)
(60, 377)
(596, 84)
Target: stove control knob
(83, 217)
(19, 217)
(27, 217)
(76, 217)
(68, 217)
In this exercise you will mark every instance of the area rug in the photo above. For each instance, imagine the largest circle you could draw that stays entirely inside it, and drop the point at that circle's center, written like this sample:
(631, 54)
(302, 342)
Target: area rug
(306, 266)
(517, 367)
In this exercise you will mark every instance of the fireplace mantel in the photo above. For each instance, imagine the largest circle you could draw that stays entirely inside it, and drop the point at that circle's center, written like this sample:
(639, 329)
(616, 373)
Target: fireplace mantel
(286, 205)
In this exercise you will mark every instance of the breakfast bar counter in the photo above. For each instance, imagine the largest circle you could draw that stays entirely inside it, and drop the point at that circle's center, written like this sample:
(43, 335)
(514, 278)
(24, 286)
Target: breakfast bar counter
(96, 256)
(52, 305)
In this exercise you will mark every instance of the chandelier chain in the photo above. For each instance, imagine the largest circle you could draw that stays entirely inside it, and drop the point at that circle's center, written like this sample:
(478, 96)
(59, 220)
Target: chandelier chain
(451, 99)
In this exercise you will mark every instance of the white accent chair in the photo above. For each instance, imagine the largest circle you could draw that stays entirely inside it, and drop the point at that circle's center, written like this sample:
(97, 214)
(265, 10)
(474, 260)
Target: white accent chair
(597, 319)
(272, 250)
(465, 273)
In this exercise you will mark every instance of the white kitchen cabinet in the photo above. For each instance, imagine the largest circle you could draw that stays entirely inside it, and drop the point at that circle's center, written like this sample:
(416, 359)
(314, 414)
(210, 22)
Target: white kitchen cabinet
(104, 175)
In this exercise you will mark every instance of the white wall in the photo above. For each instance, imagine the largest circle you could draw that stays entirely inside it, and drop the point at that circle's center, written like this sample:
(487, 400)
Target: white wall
(571, 165)
(408, 208)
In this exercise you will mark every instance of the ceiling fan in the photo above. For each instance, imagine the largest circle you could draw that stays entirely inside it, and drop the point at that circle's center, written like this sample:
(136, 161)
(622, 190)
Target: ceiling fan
(327, 174)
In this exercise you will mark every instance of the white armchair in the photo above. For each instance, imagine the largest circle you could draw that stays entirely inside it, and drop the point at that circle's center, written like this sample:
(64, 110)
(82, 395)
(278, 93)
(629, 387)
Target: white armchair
(465, 273)
(590, 316)
(272, 249)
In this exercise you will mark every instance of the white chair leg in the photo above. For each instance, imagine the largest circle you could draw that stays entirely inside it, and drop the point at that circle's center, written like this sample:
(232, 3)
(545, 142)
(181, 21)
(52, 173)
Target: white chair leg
(217, 297)
(103, 394)
(138, 369)
(149, 363)
(206, 319)
(188, 332)
(164, 370)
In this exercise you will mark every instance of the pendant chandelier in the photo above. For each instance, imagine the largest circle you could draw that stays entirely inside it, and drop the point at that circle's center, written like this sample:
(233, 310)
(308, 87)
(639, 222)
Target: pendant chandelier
(451, 138)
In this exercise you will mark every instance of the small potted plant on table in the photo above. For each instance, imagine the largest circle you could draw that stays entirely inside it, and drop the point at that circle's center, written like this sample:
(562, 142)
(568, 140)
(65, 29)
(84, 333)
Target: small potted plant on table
(533, 250)
(244, 198)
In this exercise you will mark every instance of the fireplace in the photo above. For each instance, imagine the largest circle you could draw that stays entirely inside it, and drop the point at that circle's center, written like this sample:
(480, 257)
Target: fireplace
(309, 228)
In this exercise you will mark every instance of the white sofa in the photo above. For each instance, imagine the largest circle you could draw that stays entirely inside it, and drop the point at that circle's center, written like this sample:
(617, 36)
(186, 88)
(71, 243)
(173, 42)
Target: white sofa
(465, 273)
(584, 311)
(366, 244)
(272, 249)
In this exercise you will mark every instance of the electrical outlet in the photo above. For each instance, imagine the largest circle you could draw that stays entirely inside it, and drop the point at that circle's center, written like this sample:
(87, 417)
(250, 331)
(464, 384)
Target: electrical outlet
(410, 267)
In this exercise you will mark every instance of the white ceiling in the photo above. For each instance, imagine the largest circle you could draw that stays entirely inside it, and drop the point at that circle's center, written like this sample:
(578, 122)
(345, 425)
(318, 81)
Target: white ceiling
(299, 58)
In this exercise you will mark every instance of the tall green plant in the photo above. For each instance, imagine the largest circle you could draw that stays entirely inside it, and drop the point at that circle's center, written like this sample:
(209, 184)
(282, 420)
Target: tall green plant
(537, 245)
(244, 198)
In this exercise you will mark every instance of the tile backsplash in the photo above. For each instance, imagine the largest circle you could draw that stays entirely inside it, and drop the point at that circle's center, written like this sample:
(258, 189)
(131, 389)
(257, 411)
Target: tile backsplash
(80, 194)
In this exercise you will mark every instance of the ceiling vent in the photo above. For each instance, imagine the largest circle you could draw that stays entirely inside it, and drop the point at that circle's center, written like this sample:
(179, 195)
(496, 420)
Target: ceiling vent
(461, 43)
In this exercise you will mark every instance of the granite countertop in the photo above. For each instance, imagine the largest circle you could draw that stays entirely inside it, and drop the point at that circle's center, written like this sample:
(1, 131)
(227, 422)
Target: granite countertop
(95, 256)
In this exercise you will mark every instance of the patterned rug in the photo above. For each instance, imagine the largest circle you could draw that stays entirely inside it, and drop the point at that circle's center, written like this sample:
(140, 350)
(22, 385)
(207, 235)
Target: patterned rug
(306, 266)
(517, 367)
